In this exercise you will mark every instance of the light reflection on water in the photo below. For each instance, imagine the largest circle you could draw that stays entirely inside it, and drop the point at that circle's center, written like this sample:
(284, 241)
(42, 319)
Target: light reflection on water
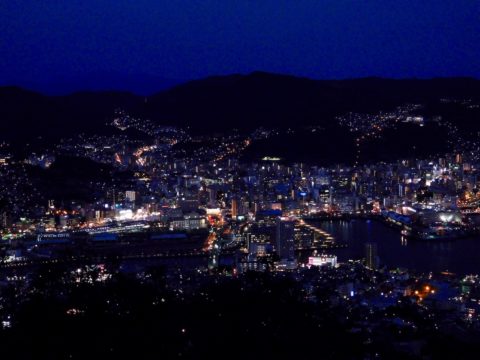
(394, 250)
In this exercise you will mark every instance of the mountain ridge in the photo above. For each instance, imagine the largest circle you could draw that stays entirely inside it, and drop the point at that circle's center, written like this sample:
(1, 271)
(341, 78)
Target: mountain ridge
(222, 102)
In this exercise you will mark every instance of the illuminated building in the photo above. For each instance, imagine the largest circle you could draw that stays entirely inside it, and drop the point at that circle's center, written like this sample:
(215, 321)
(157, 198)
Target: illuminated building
(234, 208)
(304, 236)
(323, 260)
(285, 235)
(192, 221)
(276, 206)
(130, 196)
(212, 196)
(458, 158)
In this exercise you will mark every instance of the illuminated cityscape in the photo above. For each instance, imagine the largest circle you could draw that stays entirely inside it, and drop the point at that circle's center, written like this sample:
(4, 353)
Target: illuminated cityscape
(251, 214)
(209, 216)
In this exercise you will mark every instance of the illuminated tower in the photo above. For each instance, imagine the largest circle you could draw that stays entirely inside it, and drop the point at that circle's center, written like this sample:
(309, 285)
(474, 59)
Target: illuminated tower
(458, 158)
(234, 208)
(371, 256)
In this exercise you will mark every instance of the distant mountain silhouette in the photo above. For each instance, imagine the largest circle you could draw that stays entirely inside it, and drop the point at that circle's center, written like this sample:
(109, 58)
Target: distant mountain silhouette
(25, 114)
(248, 101)
(221, 103)
(139, 84)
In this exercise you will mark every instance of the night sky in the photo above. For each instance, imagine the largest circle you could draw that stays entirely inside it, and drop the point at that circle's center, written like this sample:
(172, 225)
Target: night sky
(191, 39)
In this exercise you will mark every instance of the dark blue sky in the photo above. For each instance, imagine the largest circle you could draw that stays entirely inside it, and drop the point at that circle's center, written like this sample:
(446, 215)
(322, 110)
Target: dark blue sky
(187, 39)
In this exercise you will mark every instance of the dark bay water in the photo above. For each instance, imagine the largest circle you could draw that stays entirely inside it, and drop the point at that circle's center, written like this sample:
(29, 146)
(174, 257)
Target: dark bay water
(460, 256)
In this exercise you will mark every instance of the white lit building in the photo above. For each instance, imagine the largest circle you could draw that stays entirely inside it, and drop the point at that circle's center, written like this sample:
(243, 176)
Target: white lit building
(323, 260)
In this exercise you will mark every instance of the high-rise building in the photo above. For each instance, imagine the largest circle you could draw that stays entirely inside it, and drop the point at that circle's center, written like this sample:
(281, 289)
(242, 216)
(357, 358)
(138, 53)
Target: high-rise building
(371, 255)
(285, 235)
(5, 220)
(130, 196)
(212, 196)
(234, 208)
(458, 158)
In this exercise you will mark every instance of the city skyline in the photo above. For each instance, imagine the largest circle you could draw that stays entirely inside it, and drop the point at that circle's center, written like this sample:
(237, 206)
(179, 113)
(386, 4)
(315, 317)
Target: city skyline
(296, 180)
